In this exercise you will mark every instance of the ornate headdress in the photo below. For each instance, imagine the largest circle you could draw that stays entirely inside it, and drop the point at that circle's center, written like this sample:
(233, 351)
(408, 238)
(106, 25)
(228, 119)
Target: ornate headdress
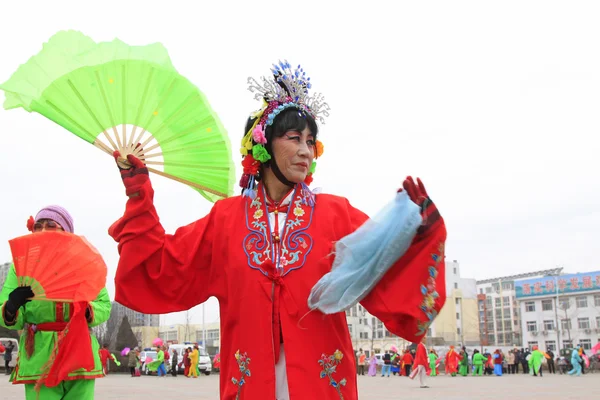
(286, 89)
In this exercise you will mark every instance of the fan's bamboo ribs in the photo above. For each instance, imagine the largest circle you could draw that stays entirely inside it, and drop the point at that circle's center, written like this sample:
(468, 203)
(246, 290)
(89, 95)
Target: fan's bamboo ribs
(112, 143)
(192, 184)
(57, 300)
(71, 120)
(99, 144)
(141, 107)
(85, 104)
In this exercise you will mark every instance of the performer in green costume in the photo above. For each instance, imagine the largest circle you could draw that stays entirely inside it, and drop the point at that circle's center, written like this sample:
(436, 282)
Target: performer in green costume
(432, 361)
(535, 361)
(158, 365)
(478, 360)
(463, 364)
(42, 320)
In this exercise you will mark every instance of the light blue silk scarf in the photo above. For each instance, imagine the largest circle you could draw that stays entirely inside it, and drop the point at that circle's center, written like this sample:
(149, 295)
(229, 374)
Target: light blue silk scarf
(363, 257)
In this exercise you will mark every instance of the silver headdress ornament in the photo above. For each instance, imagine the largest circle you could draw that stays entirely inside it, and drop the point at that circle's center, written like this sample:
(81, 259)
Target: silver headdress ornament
(288, 88)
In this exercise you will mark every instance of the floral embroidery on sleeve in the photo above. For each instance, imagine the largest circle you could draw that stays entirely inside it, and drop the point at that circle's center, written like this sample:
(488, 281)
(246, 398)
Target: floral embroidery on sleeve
(242, 360)
(430, 294)
(329, 365)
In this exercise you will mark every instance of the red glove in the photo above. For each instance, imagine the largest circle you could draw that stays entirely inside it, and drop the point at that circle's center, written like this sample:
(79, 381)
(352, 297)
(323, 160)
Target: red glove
(134, 177)
(419, 196)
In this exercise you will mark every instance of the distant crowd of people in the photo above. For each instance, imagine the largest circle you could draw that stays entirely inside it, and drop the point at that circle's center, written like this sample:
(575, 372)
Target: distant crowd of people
(515, 361)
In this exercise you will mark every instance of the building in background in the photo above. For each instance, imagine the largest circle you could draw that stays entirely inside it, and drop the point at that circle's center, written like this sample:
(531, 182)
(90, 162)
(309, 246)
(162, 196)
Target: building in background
(135, 318)
(456, 324)
(499, 314)
(560, 311)
(181, 333)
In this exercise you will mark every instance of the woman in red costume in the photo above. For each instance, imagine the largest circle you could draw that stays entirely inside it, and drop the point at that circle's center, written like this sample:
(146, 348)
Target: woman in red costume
(421, 365)
(262, 253)
(452, 359)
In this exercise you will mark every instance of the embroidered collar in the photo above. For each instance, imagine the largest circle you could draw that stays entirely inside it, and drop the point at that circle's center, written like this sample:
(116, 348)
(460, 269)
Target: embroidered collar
(295, 243)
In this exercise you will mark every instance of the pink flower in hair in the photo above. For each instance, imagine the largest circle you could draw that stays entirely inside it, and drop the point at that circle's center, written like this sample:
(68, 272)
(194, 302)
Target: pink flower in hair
(258, 134)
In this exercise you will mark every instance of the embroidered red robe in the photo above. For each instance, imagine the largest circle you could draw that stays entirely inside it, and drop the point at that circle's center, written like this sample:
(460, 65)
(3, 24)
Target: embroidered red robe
(228, 254)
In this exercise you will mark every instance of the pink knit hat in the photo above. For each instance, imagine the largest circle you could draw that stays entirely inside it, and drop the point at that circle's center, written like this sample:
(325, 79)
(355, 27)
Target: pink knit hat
(58, 215)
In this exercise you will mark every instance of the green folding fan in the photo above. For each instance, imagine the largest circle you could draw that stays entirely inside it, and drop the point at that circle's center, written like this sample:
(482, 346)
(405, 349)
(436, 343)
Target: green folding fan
(131, 99)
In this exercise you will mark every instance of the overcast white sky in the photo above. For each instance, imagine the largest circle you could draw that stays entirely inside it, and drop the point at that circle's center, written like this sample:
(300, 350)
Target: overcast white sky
(493, 104)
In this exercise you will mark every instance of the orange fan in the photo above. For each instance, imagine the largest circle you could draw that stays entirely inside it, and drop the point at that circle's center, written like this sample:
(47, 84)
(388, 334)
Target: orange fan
(59, 266)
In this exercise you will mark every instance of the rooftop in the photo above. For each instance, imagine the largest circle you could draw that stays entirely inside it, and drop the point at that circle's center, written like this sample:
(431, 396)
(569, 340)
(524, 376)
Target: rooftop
(554, 271)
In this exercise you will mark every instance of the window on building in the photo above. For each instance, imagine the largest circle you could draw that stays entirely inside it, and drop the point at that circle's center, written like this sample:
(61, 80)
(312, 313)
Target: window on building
(490, 326)
(481, 291)
(499, 325)
(581, 302)
(598, 323)
(531, 344)
(567, 344)
(429, 332)
(388, 333)
(586, 344)
(546, 305)
(213, 334)
(548, 325)
(529, 306)
(498, 302)
(516, 322)
(379, 334)
(551, 345)
(457, 301)
(506, 301)
(565, 324)
(507, 286)
(353, 311)
(488, 290)
(457, 315)
(583, 323)
(597, 300)
(491, 338)
(373, 321)
(498, 313)
(531, 326)
(458, 331)
(496, 287)
(507, 326)
(565, 304)
(454, 270)
(500, 338)
(489, 314)
(455, 285)
(360, 309)
(347, 313)
(379, 324)
(506, 312)
(488, 302)
(350, 329)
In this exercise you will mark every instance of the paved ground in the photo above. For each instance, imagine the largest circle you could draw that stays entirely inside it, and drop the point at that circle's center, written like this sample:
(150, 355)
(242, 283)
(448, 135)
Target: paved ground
(510, 387)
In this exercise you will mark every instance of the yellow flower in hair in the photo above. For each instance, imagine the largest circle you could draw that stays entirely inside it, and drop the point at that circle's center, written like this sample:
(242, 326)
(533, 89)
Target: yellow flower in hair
(244, 151)
(319, 149)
